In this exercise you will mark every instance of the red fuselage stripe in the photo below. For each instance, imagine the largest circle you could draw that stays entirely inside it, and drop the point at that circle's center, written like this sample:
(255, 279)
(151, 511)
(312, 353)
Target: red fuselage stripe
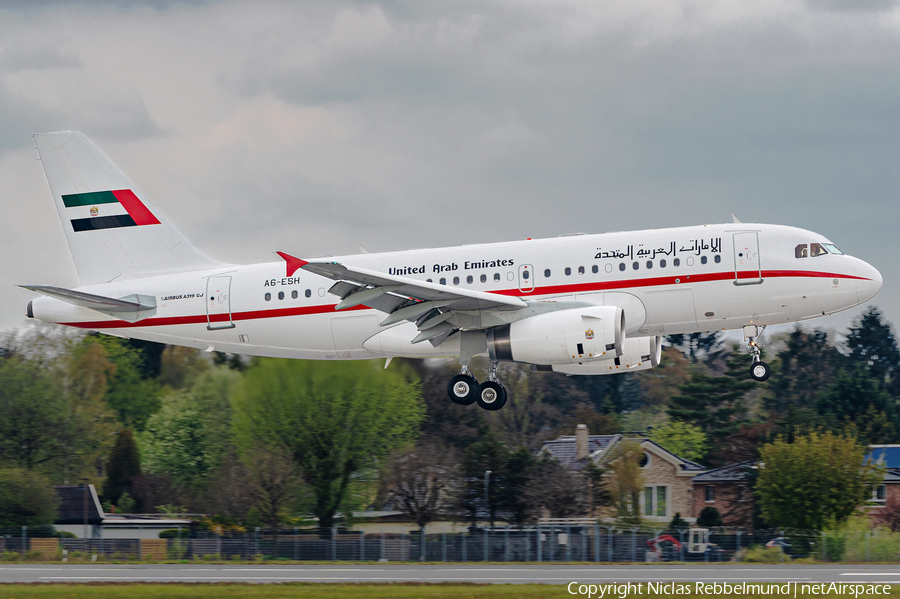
(549, 290)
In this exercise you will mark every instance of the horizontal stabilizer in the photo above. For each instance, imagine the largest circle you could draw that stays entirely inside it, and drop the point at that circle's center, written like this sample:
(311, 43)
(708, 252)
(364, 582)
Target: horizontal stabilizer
(131, 307)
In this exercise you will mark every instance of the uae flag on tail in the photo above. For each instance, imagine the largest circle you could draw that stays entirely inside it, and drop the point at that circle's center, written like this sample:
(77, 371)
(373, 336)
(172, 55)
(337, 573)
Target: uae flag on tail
(108, 210)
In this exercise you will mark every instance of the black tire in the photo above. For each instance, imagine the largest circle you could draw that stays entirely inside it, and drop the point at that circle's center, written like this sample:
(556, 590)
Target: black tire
(760, 371)
(492, 396)
(463, 389)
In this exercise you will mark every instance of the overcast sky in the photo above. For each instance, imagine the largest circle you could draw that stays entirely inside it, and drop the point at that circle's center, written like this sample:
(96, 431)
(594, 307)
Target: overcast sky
(312, 127)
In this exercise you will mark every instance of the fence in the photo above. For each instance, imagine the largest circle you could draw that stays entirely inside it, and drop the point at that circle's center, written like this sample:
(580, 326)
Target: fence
(545, 543)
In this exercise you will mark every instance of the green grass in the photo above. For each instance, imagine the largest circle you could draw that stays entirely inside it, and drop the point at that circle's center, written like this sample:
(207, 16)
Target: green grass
(308, 591)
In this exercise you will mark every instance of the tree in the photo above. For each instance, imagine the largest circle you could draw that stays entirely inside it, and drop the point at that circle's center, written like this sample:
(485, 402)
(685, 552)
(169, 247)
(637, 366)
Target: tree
(124, 464)
(489, 454)
(683, 439)
(624, 462)
(420, 481)
(26, 499)
(335, 420)
(857, 398)
(695, 345)
(714, 403)
(275, 485)
(872, 345)
(805, 368)
(709, 517)
(132, 396)
(555, 491)
(818, 480)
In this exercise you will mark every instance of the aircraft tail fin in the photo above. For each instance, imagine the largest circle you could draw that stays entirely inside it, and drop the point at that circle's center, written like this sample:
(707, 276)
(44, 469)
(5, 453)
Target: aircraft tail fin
(112, 229)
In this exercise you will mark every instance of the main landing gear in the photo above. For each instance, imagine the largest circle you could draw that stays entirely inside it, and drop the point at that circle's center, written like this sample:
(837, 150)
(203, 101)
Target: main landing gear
(759, 370)
(465, 390)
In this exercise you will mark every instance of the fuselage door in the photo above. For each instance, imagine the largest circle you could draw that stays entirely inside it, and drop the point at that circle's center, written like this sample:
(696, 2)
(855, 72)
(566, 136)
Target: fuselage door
(526, 278)
(747, 270)
(218, 303)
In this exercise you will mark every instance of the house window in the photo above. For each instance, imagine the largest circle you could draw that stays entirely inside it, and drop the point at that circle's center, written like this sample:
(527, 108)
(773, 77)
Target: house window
(710, 493)
(655, 501)
(742, 493)
(879, 494)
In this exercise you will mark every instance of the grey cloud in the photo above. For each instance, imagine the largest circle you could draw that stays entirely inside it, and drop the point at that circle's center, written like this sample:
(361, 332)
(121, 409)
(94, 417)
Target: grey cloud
(852, 5)
(16, 59)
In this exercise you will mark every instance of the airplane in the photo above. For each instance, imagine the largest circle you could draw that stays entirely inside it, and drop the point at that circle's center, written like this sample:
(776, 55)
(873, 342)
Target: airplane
(576, 304)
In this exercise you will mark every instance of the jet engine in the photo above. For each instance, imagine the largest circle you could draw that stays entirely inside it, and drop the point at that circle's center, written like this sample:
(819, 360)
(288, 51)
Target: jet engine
(641, 353)
(562, 337)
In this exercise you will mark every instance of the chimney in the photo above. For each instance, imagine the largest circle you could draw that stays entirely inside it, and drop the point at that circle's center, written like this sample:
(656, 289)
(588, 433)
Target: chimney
(581, 442)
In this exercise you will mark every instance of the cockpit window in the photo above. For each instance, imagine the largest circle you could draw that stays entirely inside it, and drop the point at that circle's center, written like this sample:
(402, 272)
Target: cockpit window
(833, 249)
(801, 251)
(816, 249)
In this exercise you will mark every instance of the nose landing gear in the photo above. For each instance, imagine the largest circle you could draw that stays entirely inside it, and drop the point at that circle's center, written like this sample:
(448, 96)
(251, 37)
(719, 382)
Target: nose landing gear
(759, 370)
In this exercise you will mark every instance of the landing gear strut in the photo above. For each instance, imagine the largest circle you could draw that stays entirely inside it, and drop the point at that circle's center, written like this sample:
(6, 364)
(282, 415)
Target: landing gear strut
(759, 370)
(464, 389)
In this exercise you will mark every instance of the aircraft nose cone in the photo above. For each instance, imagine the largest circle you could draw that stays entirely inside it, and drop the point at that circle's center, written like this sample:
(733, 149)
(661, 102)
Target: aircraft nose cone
(870, 284)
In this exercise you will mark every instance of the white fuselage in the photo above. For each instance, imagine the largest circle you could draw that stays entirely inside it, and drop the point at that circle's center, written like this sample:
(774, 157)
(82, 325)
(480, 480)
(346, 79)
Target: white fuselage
(677, 280)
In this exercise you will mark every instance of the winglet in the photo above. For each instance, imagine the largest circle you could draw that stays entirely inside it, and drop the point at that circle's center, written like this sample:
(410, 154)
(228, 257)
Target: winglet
(734, 218)
(292, 264)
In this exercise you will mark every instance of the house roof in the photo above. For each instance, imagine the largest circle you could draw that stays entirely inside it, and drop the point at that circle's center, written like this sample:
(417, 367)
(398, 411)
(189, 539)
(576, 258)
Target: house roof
(74, 500)
(563, 449)
(888, 455)
(730, 472)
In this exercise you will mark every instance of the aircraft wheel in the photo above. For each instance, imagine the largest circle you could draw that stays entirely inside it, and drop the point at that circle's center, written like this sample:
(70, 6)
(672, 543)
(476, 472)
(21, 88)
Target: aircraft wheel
(463, 389)
(492, 397)
(760, 371)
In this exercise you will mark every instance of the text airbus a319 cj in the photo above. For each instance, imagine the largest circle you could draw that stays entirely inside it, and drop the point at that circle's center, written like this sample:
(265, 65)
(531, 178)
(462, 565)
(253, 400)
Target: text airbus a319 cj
(578, 304)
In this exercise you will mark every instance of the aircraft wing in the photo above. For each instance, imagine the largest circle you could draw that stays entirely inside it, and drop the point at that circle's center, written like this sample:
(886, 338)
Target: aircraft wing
(430, 305)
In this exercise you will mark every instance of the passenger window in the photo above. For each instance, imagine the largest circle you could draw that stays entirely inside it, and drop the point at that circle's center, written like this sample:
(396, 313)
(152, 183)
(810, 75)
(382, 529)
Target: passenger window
(268, 297)
(621, 266)
(547, 273)
(496, 276)
(649, 263)
(581, 270)
(702, 259)
(281, 295)
(718, 258)
(608, 267)
(816, 249)
(526, 274)
(443, 281)
(469, 279)
(635, 266)
(294, 294)
(568, 271)
(594, 269)
(662, 263)
(308, 293)
(429, 281)
(676, 262)
(484, 278)
(456, 279)
(801, 251)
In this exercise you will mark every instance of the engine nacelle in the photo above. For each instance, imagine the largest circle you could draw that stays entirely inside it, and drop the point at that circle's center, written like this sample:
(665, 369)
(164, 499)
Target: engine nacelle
(641, 353)
(562, 337)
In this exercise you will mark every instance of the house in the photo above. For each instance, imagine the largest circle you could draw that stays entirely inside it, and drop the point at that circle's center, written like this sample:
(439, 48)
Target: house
(889, 489)
(81, 514)
(668, 487)
(726, 489)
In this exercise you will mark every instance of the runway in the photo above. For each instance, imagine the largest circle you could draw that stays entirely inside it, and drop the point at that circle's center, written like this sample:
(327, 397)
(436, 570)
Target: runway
(489, 574)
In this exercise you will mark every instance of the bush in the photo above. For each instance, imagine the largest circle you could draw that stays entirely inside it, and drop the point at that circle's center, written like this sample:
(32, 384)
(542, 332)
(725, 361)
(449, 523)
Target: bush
(763, 555)
(709, 517)
(172, 533)
(9, 556)
(26, 498)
